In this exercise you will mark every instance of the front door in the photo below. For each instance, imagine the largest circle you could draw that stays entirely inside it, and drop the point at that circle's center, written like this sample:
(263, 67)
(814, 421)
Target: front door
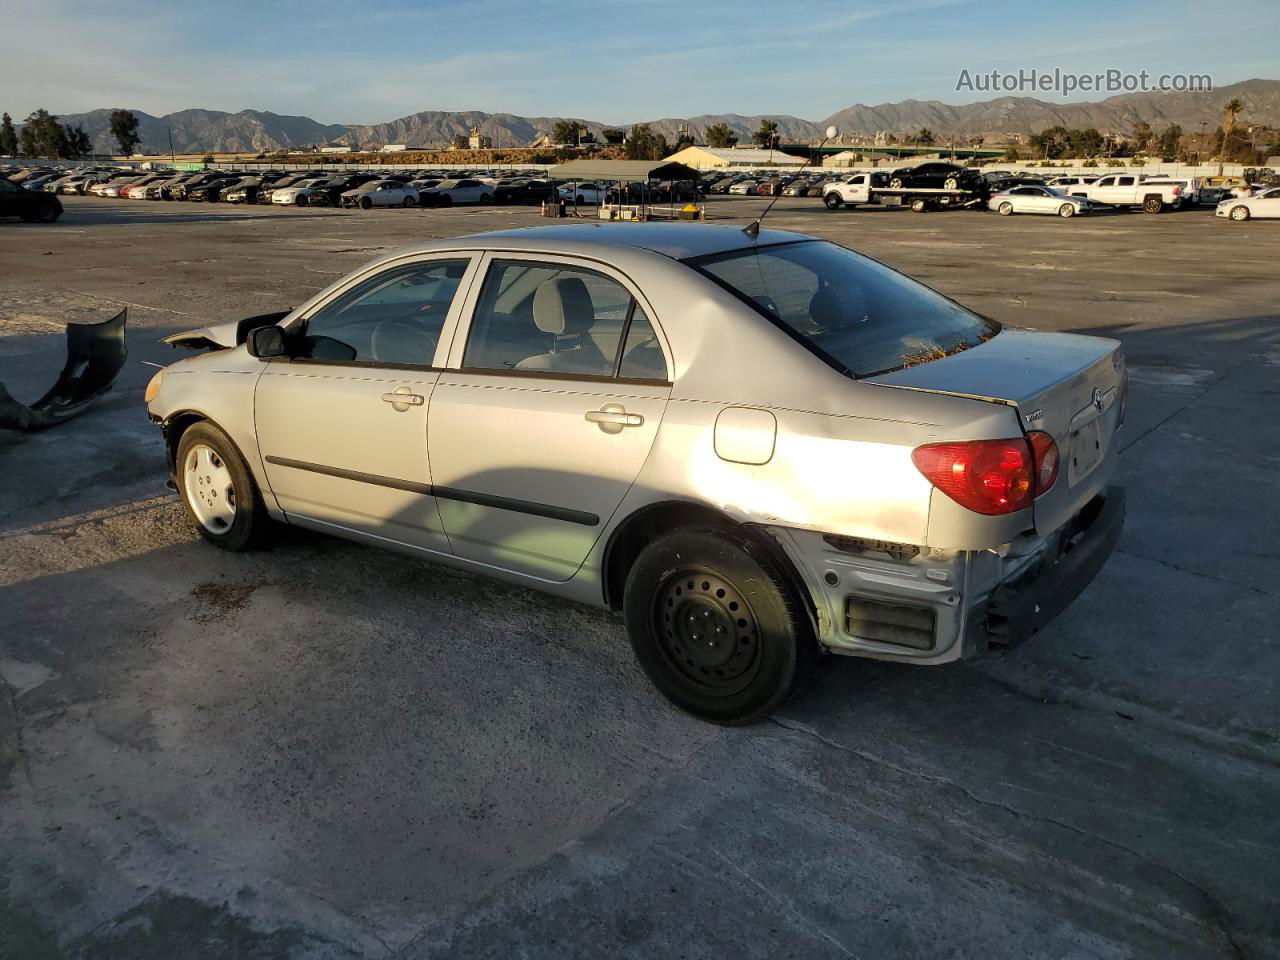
(342, 424)
(546, 415)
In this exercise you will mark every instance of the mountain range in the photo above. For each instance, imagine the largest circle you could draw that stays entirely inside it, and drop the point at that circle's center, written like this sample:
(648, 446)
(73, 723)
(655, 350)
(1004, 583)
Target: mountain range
(252, 131)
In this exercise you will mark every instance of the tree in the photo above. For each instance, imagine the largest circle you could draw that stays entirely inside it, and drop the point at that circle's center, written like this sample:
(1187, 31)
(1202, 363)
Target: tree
(1231, 110)
(44, 136)
(767, 134)
(614, 137)
(924, 136)
(1011, 152)
(644, 144)
(124, 127)
(682, 141)
(8, 137)
(565, 131)
(1084, 143)
(1142, 135)
(1169, 142)
(78, 142)
(721, 135)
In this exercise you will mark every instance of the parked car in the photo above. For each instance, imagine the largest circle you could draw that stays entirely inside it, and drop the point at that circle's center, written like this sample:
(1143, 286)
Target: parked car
(299, 193)
(522, 191)
(802, 462)
(448, 193)
(1130, 190)
(1038, 199)
(113, 188)
(30, 205)
(744, 188)
(330, 191)
(1073, 183)
(936, 176)
(288, 180)
(583, 192)
(211, 192)
(1265, 204)
(380, 193)
(246, 191)
(180, 190)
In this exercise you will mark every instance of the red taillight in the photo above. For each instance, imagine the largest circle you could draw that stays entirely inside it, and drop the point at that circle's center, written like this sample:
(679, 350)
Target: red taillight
(1045, 452)
(992, 477)
(1177, 191)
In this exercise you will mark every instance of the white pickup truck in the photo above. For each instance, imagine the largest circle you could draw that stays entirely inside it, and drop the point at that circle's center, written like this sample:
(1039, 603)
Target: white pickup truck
(1131, 190)
(853, 190)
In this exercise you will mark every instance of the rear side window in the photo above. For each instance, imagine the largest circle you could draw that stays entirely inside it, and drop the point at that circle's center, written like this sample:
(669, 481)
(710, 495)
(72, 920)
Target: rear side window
(548, 318)
(857, 314)
(394, 317)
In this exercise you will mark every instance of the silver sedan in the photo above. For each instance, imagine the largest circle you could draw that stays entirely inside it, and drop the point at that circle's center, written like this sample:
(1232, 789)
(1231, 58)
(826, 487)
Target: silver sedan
(1033, 199)
(755, 448)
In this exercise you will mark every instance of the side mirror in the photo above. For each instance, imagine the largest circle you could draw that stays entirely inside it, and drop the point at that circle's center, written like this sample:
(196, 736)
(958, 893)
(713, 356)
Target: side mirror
(267, 342)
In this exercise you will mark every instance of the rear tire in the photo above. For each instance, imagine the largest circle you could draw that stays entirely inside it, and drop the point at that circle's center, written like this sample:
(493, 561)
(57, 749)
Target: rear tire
(951, 183)
(895, 183)
(217, 489)
(48, 213)
(1005, 209)
(1152, 205)
(714, 626)
(833, 201)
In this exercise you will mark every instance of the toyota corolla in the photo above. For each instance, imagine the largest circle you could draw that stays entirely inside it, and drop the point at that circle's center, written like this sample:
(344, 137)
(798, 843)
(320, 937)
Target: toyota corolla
(755, 447)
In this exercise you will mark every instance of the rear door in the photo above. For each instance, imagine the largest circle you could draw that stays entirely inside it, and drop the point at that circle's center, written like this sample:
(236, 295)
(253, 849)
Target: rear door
(342, 424)
(547, 412)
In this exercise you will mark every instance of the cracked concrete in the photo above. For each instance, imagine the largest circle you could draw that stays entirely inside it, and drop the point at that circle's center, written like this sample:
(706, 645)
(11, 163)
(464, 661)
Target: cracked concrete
(322, 751)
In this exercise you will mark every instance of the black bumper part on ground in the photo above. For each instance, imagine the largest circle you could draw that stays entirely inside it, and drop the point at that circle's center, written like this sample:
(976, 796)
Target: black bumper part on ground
(95, 357)
(1017, 611)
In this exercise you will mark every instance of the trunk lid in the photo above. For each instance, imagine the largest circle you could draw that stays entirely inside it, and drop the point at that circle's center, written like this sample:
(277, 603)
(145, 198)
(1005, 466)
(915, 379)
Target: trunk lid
(1064, 384)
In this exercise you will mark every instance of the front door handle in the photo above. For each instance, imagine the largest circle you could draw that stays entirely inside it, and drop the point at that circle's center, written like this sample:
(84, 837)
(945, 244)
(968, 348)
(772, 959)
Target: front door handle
(612, 417)
(402, 398)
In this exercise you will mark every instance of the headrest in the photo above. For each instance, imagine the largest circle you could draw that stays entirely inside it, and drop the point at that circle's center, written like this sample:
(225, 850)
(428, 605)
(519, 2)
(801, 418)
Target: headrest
(563, 306)
(834, 307)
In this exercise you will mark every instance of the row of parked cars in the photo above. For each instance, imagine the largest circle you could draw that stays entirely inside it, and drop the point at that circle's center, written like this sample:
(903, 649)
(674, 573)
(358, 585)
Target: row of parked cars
(941, 184)
(405, 188)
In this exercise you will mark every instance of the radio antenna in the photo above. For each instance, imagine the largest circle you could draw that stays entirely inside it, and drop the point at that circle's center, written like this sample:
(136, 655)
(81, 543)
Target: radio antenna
(752, 229)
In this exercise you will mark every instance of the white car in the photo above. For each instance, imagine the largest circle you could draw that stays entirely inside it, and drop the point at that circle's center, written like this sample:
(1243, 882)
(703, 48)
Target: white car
(744, 188)
(380, 193)
(1076, 183)
(583, 193)
(1032, 199)
(113, 188)
(297, 195)
(450, 192)
(1263, 205)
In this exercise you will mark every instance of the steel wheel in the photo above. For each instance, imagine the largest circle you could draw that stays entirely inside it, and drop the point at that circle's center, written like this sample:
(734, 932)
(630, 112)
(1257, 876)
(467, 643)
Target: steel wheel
(710, 635)
(211, 492)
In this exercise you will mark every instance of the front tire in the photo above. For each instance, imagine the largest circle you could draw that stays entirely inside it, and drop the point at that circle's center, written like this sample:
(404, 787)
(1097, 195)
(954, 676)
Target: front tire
(48, 213)
(833, 201)
(895, 183)
(219, 493)
(714, 626)
(365, 203)
(1066, 211)
(407, 202)
(1240, 214)
(301, 200)
(1005, 209)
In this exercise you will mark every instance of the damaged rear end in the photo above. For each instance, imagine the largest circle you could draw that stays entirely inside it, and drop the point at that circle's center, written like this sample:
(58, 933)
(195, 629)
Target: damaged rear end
(1018, 524)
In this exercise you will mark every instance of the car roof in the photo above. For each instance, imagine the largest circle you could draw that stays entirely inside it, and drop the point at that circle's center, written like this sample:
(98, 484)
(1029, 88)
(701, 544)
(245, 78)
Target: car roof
(676, 240)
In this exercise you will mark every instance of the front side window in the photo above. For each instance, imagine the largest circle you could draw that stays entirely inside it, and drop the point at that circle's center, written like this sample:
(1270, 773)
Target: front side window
(394, 317)
(857, 314)
(550, 318)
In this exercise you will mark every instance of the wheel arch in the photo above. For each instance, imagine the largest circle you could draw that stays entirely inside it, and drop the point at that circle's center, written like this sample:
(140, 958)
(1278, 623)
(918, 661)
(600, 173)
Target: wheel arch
(178, 423)
(634, 533)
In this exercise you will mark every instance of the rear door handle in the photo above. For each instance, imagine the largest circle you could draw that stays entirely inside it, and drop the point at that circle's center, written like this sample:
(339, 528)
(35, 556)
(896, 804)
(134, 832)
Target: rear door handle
(401, 399)
(612, 417)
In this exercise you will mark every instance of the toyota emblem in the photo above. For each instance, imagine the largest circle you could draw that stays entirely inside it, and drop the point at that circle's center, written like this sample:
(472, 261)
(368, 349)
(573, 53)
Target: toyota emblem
(1097, 399)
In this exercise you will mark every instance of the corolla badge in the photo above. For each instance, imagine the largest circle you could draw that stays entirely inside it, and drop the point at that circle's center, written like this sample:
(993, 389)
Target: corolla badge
(1097, 399)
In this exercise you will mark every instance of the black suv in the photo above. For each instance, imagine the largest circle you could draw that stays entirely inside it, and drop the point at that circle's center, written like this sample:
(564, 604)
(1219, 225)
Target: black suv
(30, 205)
(937, 176)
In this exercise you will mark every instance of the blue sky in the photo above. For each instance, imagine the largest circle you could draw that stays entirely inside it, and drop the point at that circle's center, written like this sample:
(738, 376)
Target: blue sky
(367, 61)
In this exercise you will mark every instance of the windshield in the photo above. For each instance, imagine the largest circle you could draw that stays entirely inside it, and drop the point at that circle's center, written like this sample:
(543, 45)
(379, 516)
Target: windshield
(857, 314)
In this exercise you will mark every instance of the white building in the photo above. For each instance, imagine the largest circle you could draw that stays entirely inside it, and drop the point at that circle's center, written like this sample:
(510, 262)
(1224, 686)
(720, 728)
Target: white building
(394, 147)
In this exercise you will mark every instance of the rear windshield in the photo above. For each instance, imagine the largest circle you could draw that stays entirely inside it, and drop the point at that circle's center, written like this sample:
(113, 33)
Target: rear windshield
(857, 314)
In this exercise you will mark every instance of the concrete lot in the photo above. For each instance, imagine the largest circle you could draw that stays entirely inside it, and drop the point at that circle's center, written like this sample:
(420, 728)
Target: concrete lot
(325, 751)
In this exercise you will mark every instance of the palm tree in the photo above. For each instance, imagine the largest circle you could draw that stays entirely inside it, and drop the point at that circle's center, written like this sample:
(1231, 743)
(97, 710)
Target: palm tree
(1230, 111)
